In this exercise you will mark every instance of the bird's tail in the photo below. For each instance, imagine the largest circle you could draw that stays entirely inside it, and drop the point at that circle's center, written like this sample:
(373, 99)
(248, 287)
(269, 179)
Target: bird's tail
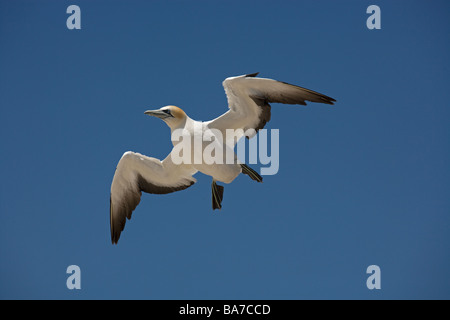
(251, 173)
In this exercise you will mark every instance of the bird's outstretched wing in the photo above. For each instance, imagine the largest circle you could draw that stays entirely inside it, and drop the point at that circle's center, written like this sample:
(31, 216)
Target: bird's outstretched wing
(249, 98)
(136, 173)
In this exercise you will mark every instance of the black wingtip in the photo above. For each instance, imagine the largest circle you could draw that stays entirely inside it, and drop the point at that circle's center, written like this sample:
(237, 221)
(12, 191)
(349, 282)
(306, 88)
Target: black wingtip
(330, 101)
(115, 239)
(251, 75)
(114, 235)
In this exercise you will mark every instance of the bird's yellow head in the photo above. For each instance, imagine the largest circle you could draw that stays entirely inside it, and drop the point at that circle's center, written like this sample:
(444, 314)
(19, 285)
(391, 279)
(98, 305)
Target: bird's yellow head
(173, 116)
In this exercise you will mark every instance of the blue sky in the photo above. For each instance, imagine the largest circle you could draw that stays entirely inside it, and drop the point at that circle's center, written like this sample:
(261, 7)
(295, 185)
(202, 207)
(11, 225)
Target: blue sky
(365, 182)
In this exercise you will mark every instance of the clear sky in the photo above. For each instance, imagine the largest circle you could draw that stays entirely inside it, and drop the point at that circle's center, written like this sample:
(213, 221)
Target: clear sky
(365, 182)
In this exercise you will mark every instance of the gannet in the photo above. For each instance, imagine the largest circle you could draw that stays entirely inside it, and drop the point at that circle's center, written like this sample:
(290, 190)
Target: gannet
(249, 109)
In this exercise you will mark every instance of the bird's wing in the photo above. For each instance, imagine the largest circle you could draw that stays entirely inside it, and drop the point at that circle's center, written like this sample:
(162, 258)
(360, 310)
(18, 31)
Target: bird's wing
(249, 98)
(136, 173)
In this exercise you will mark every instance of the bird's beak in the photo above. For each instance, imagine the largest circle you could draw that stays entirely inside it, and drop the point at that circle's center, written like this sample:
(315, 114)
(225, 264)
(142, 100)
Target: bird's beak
(156, 113)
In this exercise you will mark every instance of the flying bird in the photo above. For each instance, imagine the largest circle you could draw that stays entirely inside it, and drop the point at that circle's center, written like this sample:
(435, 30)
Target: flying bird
(249, 110)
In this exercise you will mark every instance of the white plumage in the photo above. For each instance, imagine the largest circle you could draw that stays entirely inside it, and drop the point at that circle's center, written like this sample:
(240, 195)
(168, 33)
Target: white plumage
(248, 101)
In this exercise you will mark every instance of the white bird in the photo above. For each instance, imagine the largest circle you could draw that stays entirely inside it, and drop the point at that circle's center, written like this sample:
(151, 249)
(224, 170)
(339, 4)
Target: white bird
(248, 102)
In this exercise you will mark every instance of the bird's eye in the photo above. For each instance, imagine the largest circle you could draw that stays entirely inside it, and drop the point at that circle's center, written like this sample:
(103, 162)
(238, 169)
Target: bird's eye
(166, 111)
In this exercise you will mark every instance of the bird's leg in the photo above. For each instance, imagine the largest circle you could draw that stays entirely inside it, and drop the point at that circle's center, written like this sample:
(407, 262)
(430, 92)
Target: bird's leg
(217, 195)
(251, 173)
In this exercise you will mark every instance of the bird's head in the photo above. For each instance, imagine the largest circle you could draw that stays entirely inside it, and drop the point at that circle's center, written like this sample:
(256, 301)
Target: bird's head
(173, 116)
